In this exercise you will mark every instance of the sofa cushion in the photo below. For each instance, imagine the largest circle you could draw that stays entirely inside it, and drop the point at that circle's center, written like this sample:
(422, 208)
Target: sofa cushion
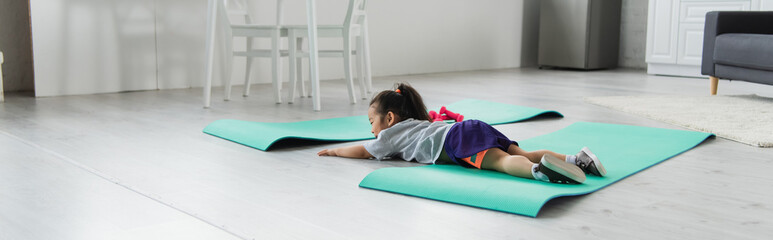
(753, 51)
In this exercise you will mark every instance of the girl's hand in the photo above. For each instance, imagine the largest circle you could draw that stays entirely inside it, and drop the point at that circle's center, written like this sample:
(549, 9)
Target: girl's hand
(353, 151)
(326, 152)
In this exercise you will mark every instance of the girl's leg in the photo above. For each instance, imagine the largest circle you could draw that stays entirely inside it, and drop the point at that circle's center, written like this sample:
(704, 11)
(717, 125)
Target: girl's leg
(550, 170)
(533, 156)
(498, 160)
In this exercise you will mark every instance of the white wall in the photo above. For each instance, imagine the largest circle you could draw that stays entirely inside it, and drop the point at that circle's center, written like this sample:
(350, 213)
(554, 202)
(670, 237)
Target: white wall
(180, 34)
(93, 46)
(82, 47)
(445, 35)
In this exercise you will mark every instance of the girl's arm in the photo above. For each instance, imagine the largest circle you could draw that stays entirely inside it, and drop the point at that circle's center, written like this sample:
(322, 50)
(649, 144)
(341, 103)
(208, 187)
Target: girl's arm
(354, 151)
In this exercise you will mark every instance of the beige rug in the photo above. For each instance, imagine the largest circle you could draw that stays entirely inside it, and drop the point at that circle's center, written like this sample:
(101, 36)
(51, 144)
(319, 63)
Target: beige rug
(743, 118)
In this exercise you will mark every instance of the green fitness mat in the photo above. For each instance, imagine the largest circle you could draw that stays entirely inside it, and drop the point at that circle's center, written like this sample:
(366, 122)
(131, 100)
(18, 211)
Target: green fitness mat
(262, 135)
(623, 149)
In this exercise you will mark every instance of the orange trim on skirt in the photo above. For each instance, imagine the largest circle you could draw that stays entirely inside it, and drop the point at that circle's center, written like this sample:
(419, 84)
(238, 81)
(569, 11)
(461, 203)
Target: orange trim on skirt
(476, 159)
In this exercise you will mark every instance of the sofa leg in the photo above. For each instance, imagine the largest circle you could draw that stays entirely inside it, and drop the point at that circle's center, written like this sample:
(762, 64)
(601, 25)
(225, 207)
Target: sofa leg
(714, 83)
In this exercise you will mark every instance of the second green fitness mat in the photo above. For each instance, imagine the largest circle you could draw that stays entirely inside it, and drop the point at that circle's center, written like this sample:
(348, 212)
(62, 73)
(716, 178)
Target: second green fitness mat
(262, 135)
(623, 149)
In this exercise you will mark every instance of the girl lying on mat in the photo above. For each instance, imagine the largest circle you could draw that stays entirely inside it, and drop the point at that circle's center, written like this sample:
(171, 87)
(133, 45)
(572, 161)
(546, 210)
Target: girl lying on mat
(402, 128)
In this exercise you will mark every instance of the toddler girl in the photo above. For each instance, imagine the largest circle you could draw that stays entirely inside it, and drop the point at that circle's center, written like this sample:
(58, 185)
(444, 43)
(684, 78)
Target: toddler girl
(401, 125)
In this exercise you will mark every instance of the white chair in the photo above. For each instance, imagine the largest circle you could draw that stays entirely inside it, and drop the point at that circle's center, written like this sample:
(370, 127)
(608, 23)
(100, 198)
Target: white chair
(251, 31)
(2, 98)
(355, 25)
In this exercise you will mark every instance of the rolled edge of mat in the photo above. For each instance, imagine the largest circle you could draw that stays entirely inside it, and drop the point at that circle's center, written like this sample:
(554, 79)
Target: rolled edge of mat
(223, 129)
(544, 114)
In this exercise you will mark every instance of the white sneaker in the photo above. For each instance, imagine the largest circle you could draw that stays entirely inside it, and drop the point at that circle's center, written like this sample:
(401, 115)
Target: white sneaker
(560, 171)
(589, 163)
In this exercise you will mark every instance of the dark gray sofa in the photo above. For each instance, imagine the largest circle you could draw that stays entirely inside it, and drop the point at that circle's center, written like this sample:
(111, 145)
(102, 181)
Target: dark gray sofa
(738, 46)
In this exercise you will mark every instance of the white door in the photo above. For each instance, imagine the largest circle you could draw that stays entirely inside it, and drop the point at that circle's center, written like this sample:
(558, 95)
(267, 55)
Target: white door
(662, 24)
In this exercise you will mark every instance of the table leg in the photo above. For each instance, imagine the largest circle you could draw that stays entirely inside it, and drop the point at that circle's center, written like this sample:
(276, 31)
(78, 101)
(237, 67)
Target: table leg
(313, 53)
(209, 55)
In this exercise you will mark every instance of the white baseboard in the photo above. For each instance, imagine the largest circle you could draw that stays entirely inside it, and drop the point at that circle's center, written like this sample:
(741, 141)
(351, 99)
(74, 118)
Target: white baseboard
(675, 70)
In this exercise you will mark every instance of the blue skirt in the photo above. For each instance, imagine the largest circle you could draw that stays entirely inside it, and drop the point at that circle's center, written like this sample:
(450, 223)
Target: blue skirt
(470, 137)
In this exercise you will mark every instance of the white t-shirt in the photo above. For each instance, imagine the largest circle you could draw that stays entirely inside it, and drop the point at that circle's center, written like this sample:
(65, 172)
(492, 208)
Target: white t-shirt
(410, 139)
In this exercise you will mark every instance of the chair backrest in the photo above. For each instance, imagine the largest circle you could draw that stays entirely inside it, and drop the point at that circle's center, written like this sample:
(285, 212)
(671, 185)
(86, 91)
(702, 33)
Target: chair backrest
(355, 15)
(242, 8)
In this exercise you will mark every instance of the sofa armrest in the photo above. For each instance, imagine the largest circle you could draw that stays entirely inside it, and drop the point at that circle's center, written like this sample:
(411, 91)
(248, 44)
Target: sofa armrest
(718, 23)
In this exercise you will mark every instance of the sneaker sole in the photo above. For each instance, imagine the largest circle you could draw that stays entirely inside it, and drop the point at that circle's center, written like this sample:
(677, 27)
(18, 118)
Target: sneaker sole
(564, 168)
(599, 166)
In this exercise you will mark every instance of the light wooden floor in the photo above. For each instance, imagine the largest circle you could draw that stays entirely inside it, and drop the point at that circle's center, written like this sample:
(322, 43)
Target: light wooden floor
(136, 166)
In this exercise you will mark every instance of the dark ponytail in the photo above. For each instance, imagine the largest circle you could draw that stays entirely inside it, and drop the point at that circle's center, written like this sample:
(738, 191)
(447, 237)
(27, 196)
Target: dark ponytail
(404, 101)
